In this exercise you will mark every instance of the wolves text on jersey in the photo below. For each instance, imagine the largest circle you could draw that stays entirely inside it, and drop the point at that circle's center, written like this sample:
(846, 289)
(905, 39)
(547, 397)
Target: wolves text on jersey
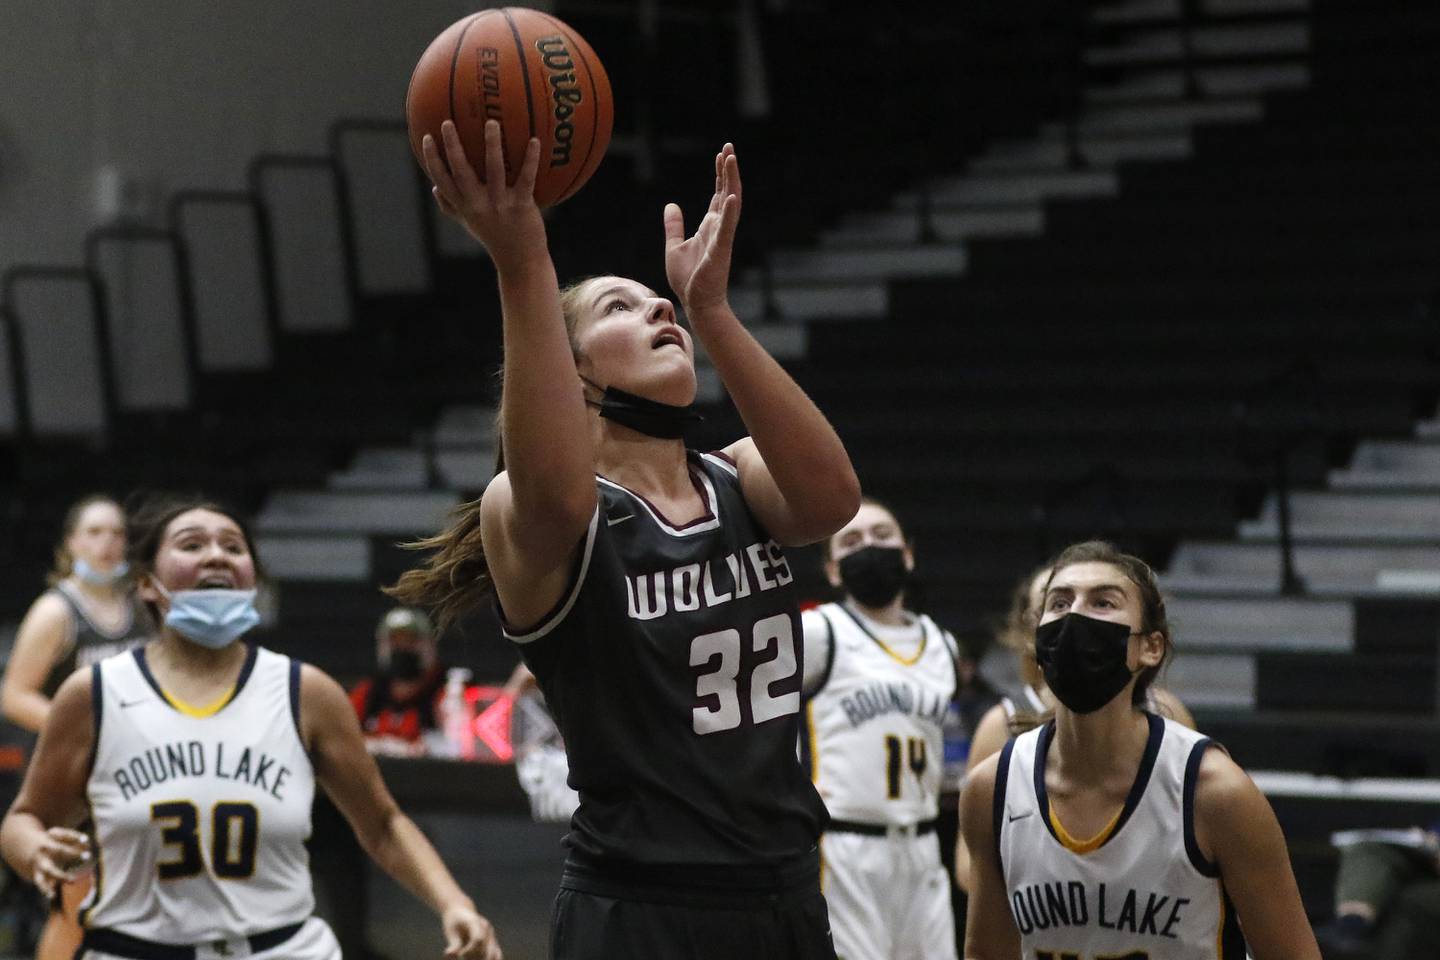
(156, 765)
(1042, 906)
(880, 699)
(700, 586)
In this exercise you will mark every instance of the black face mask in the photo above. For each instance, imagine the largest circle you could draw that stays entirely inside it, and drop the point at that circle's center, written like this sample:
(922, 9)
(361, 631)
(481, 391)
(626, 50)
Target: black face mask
(1084, 660)
(406, 664)
(650, 417)
(874, 575)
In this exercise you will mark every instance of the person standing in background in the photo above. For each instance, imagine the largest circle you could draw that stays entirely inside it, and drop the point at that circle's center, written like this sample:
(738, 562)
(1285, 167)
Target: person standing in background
(397, 705)
(540, 761)
(879, 681)
(89, 612)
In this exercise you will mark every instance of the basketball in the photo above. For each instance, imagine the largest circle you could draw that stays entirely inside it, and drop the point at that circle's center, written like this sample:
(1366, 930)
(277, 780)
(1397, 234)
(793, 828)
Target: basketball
(533, 74)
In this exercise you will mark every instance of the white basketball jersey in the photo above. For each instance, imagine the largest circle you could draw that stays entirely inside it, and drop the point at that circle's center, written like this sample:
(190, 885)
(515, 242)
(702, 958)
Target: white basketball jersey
(200, 821)
(1140, 888)
(873, 727)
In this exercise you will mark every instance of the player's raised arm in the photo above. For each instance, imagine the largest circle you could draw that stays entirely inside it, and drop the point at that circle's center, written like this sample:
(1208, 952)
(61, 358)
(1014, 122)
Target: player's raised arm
(794, 470)
(544, 508)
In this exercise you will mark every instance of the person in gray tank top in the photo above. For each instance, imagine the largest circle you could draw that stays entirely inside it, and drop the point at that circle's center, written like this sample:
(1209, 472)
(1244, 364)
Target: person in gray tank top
(88, 613)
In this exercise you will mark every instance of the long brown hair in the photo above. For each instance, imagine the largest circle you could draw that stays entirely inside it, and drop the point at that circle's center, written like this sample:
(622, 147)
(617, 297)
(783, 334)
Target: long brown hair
(64, 563)
(1016, 631)
(455, 579)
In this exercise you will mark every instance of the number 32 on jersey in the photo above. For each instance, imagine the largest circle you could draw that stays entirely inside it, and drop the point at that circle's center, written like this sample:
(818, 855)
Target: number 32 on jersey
(719, 687)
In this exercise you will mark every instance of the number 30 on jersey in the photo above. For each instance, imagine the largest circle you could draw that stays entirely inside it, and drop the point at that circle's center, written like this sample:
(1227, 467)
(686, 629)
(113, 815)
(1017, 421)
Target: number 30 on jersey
(718, 689)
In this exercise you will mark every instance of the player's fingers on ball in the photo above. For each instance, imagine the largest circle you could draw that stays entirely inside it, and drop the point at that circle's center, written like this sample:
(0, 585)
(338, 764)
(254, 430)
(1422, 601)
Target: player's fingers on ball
(446, 207)
(435, 168)
(530, 169)
(462, 171)
(494, 161)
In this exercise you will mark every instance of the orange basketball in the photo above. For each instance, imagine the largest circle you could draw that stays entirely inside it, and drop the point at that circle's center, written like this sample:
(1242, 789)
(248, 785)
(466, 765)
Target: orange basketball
(533, 74)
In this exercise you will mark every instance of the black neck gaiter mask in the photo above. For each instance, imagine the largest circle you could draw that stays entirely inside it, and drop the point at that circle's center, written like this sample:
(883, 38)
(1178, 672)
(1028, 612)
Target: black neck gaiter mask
(650, 417)
(1083, 659)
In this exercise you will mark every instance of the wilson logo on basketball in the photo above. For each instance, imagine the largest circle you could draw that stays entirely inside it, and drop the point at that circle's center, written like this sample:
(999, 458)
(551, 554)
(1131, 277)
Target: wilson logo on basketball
(560, 67)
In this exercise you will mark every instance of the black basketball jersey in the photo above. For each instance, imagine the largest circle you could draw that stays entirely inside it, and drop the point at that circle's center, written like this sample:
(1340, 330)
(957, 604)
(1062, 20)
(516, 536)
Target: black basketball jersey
(93, 643)
(673, 665)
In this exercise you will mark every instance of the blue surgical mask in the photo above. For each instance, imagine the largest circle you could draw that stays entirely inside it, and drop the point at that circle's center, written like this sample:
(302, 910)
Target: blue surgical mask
(212, 618)
(99, 578)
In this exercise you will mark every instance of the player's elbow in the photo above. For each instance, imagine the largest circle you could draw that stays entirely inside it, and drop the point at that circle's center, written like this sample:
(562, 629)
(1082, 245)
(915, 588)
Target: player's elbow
(13, 707)
(844, 499)
(827, 508)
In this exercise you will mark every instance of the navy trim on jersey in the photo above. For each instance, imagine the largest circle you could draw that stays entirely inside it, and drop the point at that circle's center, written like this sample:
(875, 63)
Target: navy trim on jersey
(1192, 777)
(1232, 938)
(251, 652)
(562, 607)
(295, 698)
(953, 645)
(97, 893)
(1137, 789)
(97, 703)
(997, 814)
(914, 658)
(829, 653)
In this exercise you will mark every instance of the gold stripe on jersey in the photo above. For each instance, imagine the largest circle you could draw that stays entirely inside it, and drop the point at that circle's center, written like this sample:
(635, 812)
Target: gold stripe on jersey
(1084, 846)
(902, 660)
(199, 713)
(919, 651)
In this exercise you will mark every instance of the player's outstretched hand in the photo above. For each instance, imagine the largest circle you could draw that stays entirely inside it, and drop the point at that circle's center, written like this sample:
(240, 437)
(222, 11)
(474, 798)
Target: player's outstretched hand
(61, 857)
(503, 218)
(468, 935)
(699, 268)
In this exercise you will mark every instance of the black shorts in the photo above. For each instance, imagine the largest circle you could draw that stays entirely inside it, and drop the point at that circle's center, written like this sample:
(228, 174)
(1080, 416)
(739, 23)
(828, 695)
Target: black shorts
(610, 912)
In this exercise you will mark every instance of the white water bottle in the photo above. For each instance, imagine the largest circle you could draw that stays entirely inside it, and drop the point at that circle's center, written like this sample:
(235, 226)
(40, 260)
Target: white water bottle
(455, 716)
